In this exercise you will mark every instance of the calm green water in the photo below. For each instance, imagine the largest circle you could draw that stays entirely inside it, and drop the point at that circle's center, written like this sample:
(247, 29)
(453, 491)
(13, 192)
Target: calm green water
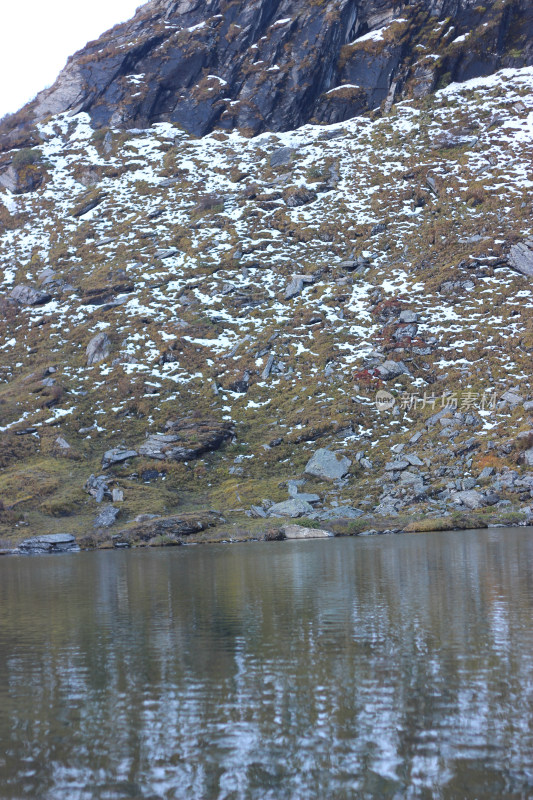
(386, 667)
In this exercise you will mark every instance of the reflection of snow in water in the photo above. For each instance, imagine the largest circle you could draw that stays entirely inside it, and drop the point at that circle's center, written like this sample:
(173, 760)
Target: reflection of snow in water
(313, 669)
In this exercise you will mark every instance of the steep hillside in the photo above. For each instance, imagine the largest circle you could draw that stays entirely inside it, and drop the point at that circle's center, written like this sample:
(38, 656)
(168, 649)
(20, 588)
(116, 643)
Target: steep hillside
(339, 314)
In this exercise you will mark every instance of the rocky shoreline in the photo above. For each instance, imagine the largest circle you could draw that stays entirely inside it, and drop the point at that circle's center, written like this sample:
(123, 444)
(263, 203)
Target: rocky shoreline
(177, 532)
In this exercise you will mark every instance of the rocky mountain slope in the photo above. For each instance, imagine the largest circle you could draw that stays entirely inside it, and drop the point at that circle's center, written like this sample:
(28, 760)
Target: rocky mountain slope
(278, 64)
(201, 336)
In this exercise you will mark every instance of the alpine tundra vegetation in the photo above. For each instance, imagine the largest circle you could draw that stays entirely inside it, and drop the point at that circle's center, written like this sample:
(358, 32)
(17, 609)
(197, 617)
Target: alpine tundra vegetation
(263, 261)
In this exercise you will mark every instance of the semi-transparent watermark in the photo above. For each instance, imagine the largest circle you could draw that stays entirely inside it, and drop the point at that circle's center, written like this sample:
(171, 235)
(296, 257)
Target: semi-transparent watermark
(462, 401)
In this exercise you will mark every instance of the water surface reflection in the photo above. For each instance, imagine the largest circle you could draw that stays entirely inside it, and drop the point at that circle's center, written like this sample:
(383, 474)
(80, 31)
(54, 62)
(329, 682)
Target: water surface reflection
(390, 667)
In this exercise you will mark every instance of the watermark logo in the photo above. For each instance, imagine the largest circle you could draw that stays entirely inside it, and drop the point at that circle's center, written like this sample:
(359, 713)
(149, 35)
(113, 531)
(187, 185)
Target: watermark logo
(384, 400)
(465, 401)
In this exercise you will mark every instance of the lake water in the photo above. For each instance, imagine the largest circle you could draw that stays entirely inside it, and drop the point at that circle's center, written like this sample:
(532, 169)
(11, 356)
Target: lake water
(381, 667)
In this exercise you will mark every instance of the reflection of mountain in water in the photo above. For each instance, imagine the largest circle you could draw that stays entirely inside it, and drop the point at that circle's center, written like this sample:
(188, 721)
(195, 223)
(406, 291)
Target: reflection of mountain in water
(313, 669)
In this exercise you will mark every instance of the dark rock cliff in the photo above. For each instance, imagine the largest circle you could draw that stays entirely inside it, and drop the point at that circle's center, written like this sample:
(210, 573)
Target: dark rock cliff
(277, 64)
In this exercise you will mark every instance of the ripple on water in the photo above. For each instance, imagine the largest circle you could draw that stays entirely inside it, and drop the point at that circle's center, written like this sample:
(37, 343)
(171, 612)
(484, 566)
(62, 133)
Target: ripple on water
(398, 668)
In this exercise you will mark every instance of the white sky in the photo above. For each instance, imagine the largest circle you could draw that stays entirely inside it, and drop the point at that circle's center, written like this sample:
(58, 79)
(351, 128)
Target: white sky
(37, 37)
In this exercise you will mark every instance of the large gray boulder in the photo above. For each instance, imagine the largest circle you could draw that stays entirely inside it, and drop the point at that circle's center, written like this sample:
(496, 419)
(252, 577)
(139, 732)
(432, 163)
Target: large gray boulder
(471, 499)
(98, 349)
(397, 465)
(341, 512)
(409, 478)
(21, 180)
(290, 508)
(528, 457)
(28, 296)
(161, 446)
(392, 369)
(173, 527)
(281, 157)
(328, 465)
(408, 316)
(299, 532)
(512, 398)
(167, 253)
(521, 259)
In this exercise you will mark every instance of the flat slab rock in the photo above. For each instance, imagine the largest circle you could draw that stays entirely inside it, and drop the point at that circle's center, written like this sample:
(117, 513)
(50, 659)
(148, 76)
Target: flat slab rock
(49, 543)
(116, 456)
(299, 532)
(341, 512)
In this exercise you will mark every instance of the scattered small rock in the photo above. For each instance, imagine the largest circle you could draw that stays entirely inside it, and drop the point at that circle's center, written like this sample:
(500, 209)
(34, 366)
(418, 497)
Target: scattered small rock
(296, 196)
(97, 487)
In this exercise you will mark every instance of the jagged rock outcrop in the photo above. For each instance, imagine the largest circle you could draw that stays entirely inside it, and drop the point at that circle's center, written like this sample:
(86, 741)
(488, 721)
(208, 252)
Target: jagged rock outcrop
(277, 64)
(172, 527)
(186, 439)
